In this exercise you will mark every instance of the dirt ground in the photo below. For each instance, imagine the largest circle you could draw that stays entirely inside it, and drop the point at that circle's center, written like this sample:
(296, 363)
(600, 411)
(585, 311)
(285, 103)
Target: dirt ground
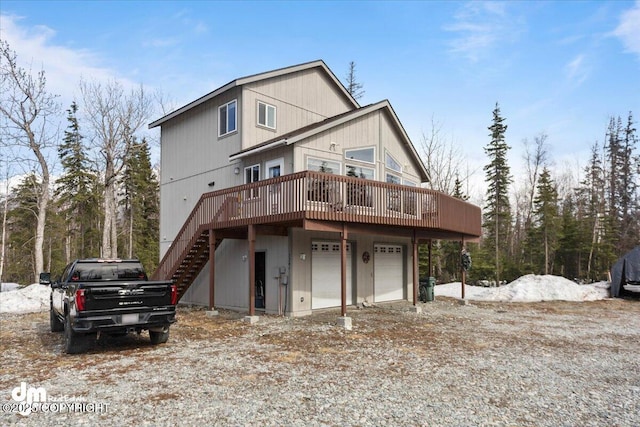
(577, 345)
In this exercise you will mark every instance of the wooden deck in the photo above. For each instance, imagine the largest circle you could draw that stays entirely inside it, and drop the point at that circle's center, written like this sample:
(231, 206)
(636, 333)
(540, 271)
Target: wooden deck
(295, 199)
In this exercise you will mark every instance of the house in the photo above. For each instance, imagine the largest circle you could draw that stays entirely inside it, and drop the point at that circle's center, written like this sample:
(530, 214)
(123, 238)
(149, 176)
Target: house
(281, 194)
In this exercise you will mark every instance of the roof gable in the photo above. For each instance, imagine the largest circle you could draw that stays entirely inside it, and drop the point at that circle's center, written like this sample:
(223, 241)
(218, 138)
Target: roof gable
(258, 77)
(316, 128)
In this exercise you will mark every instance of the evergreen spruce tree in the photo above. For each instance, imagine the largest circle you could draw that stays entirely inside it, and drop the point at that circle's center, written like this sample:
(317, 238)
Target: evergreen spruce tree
(569, 251)
(353, 86)
(78, 193)
(546, 224)
(629, 198)
(141, 206)
(21, 220)
(497, 212)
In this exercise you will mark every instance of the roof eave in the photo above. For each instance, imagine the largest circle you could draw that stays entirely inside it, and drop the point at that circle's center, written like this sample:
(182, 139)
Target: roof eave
(257, 77)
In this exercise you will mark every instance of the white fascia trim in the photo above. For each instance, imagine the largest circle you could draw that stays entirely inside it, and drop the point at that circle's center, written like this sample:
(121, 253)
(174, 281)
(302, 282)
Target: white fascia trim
(249, 152)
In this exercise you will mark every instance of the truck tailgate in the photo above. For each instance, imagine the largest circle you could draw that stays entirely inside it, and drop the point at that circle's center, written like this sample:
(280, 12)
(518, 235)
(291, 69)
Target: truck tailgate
(127, 296)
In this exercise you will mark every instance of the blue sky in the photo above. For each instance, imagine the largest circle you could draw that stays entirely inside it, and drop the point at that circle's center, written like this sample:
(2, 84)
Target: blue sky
(556, 67)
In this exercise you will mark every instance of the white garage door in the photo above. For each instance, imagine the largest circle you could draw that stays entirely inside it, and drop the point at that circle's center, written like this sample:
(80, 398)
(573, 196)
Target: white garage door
(387, 271)
(325, 275)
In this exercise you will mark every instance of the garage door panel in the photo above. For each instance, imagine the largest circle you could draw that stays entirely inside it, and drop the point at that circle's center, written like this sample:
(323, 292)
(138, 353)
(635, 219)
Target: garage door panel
(388, 277)
(326, 275)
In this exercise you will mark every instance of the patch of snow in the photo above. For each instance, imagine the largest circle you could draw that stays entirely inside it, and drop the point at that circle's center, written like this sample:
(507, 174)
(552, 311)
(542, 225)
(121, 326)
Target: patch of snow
(6, 287)
(529, 288)
(30, 299)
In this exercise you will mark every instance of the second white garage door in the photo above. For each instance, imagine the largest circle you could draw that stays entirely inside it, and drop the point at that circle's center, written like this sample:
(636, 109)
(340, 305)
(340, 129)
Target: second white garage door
(387, 273)
(325, 275)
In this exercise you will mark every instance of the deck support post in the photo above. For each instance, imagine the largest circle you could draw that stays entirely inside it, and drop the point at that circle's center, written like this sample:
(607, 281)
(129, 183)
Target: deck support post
(462, 272)
(212, 272)
(414, 242)
(251, 236)
(343, 269)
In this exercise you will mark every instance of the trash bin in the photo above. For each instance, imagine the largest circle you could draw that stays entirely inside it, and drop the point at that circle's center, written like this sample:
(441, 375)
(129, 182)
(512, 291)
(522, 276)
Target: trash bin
(426, 289)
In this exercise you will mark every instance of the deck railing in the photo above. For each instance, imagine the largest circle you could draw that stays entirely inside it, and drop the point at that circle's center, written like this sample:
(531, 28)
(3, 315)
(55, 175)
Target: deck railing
(321, 196)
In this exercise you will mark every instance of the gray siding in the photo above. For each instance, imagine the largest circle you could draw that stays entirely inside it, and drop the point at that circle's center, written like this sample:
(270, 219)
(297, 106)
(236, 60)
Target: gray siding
(372, 130)
(232, 274)
(192, 156)
(362, 274)
(300, 99)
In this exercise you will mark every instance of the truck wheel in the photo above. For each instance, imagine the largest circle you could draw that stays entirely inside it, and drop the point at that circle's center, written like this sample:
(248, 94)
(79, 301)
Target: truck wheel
(54, 322)
(159, 337)
(73, 342)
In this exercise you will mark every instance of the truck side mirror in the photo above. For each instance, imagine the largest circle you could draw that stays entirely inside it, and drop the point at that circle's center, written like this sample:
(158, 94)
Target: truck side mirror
(45, 278)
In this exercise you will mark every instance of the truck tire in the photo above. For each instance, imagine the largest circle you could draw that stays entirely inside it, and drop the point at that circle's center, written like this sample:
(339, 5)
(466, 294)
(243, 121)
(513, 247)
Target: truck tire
(159, 337)
(73, 342)
(54, 322)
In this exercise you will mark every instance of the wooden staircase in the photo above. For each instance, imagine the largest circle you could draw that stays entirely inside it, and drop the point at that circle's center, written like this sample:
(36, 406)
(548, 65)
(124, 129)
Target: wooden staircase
(192, 263)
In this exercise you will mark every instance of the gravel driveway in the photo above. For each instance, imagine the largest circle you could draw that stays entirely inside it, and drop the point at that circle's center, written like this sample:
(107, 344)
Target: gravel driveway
(483, 364)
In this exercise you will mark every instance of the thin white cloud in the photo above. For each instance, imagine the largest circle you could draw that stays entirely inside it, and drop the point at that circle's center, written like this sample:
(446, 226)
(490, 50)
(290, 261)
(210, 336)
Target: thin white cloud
(577, 70)
(64, 67)
(480, 26)
(628, 30)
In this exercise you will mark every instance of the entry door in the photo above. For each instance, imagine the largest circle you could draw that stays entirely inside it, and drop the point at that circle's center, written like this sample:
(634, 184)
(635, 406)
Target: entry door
(260, 284)
(387, 273)
(273, 169)
(326, 286)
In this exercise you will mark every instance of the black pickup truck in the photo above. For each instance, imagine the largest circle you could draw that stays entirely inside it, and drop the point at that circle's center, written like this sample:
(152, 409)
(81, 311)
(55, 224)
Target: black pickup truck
(96, 296)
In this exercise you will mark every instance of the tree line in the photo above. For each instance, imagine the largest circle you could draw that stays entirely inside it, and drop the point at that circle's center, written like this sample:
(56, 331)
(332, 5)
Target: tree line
(545, 224)
(105, 201)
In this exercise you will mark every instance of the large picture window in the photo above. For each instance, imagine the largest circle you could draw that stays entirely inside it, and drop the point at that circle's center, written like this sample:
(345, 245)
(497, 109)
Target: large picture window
(320, 165)
(227, 118)
(359, 194)
(266, 115)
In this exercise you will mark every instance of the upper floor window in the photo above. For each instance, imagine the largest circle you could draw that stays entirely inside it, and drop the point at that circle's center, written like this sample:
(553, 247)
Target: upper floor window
(266, 115)
(361, 154)
(391, 163)
(227, 118)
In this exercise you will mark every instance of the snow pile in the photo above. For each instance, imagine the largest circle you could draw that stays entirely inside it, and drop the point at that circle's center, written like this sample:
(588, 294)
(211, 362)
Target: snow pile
(29, 299)
(529, 288)
(6, 287)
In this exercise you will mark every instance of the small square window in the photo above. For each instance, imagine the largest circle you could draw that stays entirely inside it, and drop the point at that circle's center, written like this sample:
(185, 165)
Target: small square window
(266, 115)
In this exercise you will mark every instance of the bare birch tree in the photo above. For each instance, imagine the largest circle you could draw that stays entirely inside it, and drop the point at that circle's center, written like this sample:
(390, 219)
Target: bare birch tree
(27, 107)
(443, 159)
(535, 158)
(113, 116)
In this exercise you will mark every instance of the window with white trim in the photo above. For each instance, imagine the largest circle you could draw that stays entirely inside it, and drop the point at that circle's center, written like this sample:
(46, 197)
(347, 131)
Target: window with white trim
(392, 179)
(359, 193)
(360, 172)
(392, 163)
(409, 200)
(227, 118)
(366, 155)
(323, 165)
(393, 196)
(252, 174)
(266, 115)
